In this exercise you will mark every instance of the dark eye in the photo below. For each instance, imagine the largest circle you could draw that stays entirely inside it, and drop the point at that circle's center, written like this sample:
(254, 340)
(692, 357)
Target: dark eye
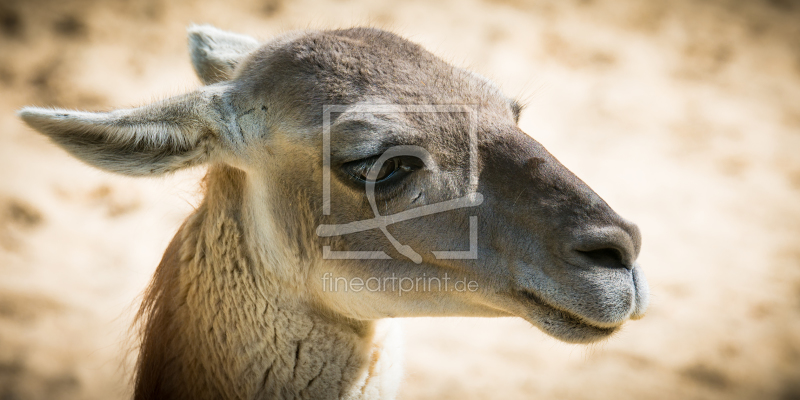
(393, 168)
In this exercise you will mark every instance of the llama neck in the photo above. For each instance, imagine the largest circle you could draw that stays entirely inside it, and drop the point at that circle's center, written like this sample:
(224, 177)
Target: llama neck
(222, 324)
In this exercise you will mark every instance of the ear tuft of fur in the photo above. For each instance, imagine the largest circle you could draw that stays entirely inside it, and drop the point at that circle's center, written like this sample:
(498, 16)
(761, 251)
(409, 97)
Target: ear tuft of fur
(216, 53)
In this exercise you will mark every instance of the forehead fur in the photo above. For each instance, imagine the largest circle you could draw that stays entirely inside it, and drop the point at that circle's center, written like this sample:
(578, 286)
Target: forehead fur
(361, 64)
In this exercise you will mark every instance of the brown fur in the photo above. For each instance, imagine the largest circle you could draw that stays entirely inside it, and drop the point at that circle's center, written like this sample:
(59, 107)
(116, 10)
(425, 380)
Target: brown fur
(202, 313)
(156, 321)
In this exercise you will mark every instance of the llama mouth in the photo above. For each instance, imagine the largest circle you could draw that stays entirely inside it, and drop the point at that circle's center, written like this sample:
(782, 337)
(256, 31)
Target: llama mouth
(564, 325)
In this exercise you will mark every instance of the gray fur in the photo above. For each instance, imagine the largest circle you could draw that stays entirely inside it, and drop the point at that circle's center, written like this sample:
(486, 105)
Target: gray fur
(150, 140)
(215, 53)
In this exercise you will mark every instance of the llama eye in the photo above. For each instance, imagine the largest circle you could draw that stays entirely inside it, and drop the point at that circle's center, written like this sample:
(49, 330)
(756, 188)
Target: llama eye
(393, 168)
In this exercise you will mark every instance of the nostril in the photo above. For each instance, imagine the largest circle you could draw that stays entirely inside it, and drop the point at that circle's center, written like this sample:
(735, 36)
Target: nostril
(605, 257)
(609, 246)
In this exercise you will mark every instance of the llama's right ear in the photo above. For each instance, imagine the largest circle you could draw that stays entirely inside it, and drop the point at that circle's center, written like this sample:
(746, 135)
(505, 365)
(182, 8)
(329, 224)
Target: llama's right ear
(215, 53)
(154, 139)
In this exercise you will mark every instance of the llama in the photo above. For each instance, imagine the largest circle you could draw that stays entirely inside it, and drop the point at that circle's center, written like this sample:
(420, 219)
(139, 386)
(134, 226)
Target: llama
(326, 166)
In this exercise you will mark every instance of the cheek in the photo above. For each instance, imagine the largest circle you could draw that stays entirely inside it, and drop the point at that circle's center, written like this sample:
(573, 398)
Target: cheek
(393, 288)
(352, 289)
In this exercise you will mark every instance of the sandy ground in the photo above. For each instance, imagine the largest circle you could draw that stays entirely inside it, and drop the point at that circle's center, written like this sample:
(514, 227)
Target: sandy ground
(684, 115)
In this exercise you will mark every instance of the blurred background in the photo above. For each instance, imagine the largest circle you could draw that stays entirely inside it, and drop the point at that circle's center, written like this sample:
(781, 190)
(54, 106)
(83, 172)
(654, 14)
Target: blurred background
(684, 115)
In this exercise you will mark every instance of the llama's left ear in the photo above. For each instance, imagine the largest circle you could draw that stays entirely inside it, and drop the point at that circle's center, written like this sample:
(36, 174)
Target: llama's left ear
(155, 139)
(215, 53)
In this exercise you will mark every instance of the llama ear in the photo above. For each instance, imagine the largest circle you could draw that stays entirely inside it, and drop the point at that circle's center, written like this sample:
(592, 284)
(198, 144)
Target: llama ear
(152, 140)
(215, 53)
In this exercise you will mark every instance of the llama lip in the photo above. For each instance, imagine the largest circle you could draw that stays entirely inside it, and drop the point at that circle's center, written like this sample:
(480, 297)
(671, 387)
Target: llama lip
(552, 318)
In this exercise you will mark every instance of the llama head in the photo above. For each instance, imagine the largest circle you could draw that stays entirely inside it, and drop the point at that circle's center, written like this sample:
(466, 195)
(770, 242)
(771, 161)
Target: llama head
(383, 180)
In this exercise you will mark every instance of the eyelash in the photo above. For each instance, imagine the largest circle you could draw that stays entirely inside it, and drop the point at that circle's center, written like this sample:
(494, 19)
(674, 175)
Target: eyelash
(392, 169)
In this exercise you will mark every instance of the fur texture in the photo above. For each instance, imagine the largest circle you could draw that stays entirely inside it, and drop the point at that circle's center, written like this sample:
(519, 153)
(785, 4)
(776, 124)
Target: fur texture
(240, 308)
(216, 317)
